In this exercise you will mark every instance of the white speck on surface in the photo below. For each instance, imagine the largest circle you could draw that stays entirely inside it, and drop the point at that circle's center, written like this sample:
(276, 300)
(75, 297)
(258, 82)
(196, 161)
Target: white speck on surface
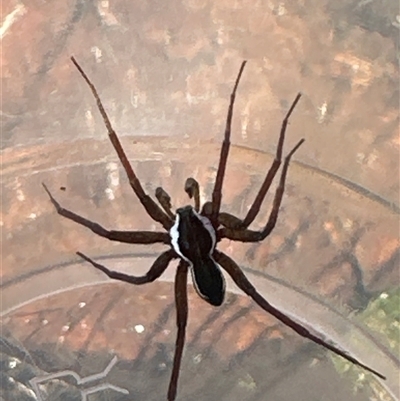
(11, 18)
(20, 195)
(197, 359)
(89, 120)
(65, 328)
(82, 304)
(112, 178)
(32, 216)
(110, 193)
(113, 174)
(139, 328)
(384, 295)
(12, 363)
(84, 325)
(45, 322)
(61, 339)
(348, 224)
(27, 320)
(97, 53)
(108, 18)
(372, 158)
(361, 376)
(322, 112)
(281, 9)
(220, 36)
(245, 120)
(360, 157)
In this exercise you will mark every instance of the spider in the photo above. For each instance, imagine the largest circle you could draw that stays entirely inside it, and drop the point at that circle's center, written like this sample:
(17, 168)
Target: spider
(192, 235)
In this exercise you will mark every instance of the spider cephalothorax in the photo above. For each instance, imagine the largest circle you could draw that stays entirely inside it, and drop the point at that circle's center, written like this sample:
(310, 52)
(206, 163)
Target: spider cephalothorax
(192, 236)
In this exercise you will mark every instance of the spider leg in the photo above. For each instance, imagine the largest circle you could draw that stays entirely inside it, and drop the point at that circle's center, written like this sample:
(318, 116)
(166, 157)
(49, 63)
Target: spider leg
(165, 201)
(181, 302)
(255, 207)
(217, 194)
(255, 236)
(154, 211)
(156, 270)
(244, 284)
(130, 237)
(192, 188)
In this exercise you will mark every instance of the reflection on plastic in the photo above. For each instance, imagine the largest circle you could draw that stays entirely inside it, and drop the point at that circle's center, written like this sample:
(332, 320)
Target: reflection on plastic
(80, 381)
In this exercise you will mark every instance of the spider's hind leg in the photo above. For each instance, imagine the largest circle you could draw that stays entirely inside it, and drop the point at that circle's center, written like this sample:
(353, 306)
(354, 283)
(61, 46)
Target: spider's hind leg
(230, 266)
(181, 303)
(156, 270)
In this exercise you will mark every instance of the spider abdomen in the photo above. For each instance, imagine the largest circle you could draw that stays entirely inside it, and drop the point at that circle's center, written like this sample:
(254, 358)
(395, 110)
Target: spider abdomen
(193, 239)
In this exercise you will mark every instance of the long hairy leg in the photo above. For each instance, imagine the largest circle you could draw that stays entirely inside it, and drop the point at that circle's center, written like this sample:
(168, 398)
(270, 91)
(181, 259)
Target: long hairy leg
(255, 207)
(244, 284)
(181, 302)
(154, 211)
(130, 237)
(255, 236)
(156, 270)
(217, 194)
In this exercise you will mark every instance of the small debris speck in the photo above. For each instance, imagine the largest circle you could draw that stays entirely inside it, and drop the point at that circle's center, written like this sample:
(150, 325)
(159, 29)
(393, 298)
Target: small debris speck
(139, 328)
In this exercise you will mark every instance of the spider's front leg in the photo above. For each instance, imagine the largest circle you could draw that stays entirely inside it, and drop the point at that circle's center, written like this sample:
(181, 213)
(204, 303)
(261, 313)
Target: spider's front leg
(232, 222)
(245, 235)
(217, 194)
(154, 211)
(129, 237)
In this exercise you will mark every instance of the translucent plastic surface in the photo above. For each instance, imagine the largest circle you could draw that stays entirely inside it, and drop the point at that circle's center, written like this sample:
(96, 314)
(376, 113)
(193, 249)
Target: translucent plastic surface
(165, 73)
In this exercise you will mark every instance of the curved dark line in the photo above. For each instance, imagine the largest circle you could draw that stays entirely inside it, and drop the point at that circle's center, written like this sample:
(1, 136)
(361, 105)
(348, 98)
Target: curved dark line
(385, 350)
(364, 192)
(338, 179)
(47, 269)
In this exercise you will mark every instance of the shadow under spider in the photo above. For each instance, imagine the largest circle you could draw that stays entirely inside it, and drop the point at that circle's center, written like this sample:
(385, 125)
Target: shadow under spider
(193, 234)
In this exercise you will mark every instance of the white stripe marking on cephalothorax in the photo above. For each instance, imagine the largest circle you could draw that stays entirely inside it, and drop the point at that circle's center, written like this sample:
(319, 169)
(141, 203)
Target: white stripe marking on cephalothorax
(174, 234)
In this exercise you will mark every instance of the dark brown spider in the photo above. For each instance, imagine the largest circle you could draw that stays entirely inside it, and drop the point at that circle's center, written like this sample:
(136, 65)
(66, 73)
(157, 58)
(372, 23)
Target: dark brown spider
(193, 234)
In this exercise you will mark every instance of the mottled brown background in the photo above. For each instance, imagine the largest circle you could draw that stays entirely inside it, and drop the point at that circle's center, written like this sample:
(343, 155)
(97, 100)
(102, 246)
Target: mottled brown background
(165, 71)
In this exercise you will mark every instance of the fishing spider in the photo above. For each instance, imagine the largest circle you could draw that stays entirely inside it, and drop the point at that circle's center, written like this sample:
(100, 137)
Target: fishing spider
(193, 235)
